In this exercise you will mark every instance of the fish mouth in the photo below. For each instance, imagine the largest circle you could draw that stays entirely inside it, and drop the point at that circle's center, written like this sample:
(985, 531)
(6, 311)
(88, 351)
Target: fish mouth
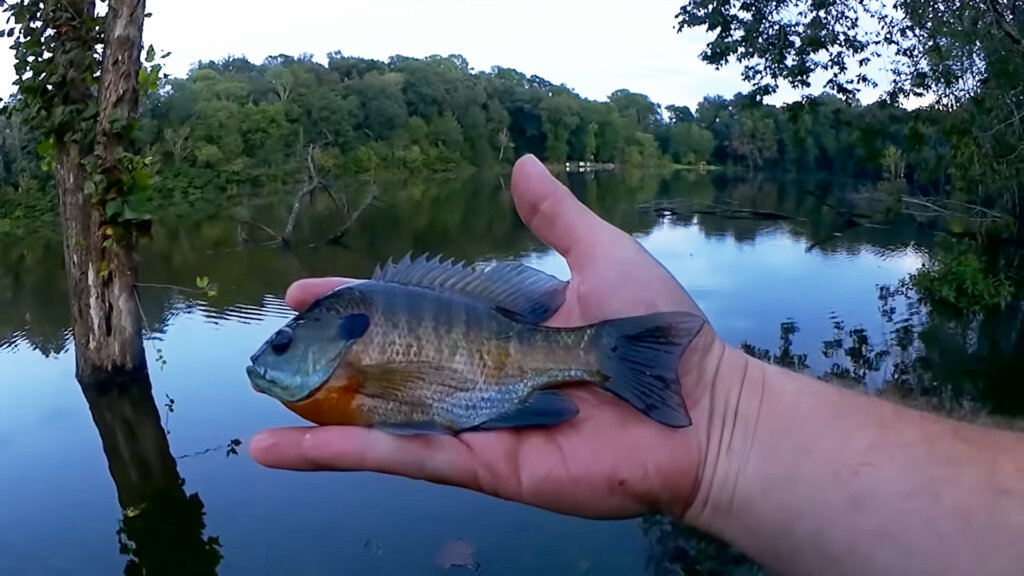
(264, 381)
(257, 379)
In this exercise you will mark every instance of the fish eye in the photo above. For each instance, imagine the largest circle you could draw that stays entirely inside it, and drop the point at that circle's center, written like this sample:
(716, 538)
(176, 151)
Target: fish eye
(353, 326)
(281, 341)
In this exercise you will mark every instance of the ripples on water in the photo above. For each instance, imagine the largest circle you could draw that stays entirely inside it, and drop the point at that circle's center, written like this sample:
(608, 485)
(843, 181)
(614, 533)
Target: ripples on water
(272, 307)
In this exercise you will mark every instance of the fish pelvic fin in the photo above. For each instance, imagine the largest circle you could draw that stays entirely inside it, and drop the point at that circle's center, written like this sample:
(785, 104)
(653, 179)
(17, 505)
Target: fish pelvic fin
(515, 290)
(641, 358)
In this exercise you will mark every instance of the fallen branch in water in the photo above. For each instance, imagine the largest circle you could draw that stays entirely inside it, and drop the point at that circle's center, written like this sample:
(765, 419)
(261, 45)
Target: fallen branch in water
(313, 182)
(267, 229)
(370, 196)
(852, 218)
(744, 213)
(939, 210)
(675, 208)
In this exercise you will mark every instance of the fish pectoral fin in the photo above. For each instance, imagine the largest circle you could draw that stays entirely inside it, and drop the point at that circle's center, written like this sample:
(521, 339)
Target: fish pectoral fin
(545, 408)
(396, 380)
(516, 290)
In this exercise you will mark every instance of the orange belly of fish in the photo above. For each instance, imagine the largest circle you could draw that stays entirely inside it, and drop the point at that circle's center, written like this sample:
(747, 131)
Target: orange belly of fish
(333, 403)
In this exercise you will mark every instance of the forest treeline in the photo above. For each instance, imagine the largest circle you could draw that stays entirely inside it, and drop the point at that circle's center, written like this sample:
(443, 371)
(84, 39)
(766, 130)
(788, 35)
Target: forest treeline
(234, 125)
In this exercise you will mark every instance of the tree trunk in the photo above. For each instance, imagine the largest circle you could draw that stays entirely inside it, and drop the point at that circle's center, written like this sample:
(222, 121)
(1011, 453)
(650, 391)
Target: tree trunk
(101, 280)
(122, 59)
(107, 320)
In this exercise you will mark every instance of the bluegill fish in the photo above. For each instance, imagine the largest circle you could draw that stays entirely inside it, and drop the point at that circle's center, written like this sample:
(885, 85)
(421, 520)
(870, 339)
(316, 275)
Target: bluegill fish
(426, 346)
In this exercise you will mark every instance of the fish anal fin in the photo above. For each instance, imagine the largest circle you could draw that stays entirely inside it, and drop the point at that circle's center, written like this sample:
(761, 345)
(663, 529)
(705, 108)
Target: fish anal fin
(542, 409)
(518, 291)
(412, 428)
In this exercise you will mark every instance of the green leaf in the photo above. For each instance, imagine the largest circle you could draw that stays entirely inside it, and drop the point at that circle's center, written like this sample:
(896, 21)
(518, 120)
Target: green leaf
(150, 54)
(45, 148)
(114, 208)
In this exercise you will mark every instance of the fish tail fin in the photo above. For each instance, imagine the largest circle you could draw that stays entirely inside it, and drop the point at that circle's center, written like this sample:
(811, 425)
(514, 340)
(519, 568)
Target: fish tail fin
(641, 358)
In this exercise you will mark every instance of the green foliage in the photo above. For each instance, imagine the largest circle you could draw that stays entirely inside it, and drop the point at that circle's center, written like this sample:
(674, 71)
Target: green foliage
(689, 143)
(959, 275)
(965, 56)
(57, 59)
(894, 163)
(208, 288)
(926, 48)
(233, 127)
(57, 67)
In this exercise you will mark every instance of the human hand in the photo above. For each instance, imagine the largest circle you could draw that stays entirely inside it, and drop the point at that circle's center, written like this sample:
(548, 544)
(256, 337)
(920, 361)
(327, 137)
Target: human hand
(610, 461)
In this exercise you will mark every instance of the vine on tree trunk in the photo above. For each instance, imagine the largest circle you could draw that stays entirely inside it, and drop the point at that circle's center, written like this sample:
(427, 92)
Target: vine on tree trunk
(57, 46)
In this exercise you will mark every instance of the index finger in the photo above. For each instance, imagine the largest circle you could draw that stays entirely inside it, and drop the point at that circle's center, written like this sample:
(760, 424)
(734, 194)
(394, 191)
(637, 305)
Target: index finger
(441, 459)
(303, 292)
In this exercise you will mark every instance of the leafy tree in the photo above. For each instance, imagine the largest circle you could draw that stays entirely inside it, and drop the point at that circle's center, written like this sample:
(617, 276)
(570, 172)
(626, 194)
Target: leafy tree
(963, 55)
(690, 143)
(79, 78)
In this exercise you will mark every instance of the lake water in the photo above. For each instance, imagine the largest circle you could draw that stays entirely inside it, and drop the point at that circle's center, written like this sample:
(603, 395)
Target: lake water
(66, 458)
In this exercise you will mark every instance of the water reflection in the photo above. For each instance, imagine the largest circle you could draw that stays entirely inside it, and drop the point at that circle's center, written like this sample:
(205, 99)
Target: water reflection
(808, 291)
(466, 218)
(918, 361)
(161, 529)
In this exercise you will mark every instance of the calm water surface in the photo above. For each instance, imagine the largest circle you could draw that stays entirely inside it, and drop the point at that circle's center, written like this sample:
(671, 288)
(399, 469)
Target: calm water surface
(59, 510)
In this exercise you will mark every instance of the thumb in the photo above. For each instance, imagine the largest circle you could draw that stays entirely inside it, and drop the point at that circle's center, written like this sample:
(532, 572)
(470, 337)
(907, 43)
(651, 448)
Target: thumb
(551, 211)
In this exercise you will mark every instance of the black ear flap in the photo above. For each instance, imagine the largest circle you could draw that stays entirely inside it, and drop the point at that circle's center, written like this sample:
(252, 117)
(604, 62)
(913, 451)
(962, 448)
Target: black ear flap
(353, 326)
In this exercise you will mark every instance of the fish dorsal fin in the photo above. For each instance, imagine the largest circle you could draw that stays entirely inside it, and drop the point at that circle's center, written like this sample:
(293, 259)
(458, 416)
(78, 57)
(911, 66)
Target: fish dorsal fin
(518, 291)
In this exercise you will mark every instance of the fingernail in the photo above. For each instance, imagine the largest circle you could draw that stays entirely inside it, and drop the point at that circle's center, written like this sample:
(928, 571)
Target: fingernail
(262, 441)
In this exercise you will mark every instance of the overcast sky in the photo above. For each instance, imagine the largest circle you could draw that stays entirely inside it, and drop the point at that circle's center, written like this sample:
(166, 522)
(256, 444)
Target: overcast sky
(592, 47)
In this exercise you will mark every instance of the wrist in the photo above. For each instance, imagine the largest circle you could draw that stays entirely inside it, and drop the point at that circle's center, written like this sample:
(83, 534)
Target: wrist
(726, 426)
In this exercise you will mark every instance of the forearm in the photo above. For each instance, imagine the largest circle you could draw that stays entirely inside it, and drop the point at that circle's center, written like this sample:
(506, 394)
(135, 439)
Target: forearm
(807, 478)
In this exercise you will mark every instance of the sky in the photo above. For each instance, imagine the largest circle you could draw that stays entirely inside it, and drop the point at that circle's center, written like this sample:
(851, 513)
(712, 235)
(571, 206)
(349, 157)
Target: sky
(593, 47)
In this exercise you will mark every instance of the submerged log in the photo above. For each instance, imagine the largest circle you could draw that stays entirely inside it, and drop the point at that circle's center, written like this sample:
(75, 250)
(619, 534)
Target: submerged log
(683, 207)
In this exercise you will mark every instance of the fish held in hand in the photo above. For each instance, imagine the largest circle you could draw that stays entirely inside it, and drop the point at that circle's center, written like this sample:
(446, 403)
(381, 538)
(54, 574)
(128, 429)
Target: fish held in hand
(426, 346)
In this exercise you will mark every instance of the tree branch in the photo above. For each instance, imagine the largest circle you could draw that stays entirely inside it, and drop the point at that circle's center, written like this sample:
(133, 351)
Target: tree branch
(1004, 24)
(993, 215)
(268, 230)
(337, 236)
(312, 181)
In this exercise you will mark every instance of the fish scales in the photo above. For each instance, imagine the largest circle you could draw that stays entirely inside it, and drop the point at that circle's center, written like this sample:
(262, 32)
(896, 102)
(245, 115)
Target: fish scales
(502, 361)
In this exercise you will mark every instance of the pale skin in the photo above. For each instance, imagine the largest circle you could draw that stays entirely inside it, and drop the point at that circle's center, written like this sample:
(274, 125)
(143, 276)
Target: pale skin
(803, 476)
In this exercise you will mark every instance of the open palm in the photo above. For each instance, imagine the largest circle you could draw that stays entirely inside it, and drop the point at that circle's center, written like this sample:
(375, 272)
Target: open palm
(608, 462)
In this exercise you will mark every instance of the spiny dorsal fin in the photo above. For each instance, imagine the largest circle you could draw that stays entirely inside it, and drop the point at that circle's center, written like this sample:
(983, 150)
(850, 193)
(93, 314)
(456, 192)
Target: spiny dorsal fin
(524, 293)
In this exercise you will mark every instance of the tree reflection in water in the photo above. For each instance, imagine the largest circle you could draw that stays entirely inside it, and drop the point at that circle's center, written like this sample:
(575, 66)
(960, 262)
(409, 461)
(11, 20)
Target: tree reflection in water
(161, 530)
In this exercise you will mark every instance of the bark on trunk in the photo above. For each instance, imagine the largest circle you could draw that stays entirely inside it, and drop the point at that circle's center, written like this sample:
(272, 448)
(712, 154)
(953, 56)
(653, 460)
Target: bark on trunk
(107, 320)
(104, 305)
(122, 59)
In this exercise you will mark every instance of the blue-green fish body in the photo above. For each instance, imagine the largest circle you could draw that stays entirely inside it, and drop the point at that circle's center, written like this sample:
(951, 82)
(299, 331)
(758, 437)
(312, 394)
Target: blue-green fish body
(427, 346)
